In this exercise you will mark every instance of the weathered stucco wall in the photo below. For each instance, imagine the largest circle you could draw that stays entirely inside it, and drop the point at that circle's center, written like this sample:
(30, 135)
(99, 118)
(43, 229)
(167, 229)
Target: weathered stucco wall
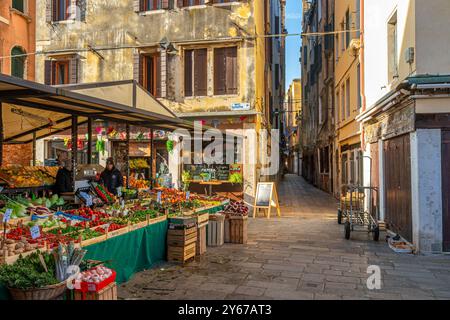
(114, 24)
(426, 188)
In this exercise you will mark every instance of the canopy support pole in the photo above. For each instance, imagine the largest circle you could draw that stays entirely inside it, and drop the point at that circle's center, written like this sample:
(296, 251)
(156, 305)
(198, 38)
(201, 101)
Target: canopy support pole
(89, 141)
(152, 158)
(1, 134)
(74, 150)
(127, 129)
(34, 148)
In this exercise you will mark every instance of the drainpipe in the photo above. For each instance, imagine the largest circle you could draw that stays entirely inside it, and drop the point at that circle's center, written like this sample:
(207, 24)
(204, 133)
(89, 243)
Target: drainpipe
(361, 64)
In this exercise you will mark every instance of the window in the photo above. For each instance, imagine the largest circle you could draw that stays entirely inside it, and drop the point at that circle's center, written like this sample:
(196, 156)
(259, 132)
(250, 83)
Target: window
(225, 71)
(305, 55)
(358, 80)
(347, 97)
(392, 48)
(190, 3)
(195, 72)
(337, 47)
(151, 73)
(347, 28)
(342, 36)
(343, 102)
(61, 10)
(337, 105)
(18, 60)
(62, 71)
(19, 5)
(223, 1)
(148, 5)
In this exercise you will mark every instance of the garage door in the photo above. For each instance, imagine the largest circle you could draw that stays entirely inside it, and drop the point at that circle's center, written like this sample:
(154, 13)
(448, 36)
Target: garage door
(397, 172)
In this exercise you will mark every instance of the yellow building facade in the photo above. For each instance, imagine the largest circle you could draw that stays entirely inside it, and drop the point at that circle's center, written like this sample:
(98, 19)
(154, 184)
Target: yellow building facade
(347, 156)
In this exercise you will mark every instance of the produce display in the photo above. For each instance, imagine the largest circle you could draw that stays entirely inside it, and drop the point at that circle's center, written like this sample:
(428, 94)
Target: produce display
(235, 208)
(23, 177)
(103, 193)
(94, 279)
(137, 183)
(139, 163)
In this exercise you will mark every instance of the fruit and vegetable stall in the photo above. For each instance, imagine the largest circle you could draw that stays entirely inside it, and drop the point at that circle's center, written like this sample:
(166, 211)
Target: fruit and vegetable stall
(130, 234)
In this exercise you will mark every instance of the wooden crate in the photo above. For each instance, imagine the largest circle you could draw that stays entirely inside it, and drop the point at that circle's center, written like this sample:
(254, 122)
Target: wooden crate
(181, 254)
(201, 239)
(181, 237)
(201, 218)
(118, 232)
(215, 230)
(238, 229)
(95, 240)
(138, 225)
(107, 293)
(158, 219)
(226, 230)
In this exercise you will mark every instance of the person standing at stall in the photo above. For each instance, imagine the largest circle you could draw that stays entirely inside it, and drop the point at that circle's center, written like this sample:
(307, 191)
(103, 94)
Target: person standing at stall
(64, 181)
(111, 177)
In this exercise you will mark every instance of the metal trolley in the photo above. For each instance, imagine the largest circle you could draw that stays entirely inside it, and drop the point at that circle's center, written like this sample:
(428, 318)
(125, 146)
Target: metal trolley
(352, 210)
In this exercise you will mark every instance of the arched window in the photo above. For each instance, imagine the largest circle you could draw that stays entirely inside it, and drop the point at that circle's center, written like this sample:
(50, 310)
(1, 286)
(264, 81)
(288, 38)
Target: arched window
(19, 5)
(18, 62)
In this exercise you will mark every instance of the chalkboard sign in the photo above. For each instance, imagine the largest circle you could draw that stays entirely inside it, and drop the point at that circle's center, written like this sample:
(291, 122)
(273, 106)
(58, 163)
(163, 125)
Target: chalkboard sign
(266, 197)
(264, 194)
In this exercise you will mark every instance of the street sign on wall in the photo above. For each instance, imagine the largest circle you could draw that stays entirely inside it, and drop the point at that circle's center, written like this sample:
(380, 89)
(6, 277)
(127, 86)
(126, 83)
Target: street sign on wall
(240, 106)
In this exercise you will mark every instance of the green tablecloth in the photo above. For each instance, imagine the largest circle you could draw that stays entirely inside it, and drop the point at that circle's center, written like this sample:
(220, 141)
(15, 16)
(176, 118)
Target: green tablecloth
(129, 253)
(133, 251)
(213, 209)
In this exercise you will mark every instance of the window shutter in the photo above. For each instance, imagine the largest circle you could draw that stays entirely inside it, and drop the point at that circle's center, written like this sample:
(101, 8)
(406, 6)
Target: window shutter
(165, 4)
(48, 72)
(49, 11)
(231, 70)
(137, 5)
(81, 4)
(160, 64)
(188, 73)
(200, 72)
(138, 68)
(73, 70)
(219, 71)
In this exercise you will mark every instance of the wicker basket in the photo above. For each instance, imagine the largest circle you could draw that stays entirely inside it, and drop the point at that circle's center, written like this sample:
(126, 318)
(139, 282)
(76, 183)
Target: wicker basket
(45, 293)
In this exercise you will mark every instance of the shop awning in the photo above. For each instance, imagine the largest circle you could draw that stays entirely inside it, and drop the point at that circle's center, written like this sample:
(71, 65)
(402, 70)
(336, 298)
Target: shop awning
(32, 108)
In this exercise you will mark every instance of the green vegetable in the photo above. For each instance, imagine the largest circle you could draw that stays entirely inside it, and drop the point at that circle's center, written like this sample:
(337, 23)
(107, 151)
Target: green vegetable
(28, 272)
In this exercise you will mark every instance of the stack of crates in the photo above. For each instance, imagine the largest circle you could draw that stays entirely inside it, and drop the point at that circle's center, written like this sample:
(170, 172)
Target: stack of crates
(181, 240)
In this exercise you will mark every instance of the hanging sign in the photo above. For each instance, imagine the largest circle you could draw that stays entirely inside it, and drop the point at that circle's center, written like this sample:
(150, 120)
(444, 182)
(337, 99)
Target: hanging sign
(266, 197)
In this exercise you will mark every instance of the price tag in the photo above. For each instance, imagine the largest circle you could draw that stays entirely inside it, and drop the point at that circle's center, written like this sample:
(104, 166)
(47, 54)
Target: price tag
(158, 197)
(1, 188)
(94, 217)
(188, 195)
(122, 204)
(35, 232)
(7, 215)
(73, 222)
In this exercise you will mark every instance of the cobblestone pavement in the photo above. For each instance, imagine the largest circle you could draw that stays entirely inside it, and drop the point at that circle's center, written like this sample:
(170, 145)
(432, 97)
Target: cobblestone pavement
(301, 255)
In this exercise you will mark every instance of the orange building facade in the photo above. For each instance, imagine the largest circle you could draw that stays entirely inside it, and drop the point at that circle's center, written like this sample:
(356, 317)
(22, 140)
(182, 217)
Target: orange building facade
(18, 38)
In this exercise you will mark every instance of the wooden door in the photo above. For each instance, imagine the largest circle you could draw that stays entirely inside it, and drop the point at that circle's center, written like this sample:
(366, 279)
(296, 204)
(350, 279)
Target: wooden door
(374, 180)
(397, 173)
(446, 190)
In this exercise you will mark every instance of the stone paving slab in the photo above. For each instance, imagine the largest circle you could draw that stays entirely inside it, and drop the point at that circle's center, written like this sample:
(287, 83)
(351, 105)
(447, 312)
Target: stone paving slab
(300, 256)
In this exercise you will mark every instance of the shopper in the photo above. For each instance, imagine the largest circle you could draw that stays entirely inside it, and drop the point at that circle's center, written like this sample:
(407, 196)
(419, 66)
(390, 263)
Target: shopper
(111, 177)
(64, 181)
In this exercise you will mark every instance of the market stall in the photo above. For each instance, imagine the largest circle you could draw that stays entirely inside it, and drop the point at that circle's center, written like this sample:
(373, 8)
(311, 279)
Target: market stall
(127, 232)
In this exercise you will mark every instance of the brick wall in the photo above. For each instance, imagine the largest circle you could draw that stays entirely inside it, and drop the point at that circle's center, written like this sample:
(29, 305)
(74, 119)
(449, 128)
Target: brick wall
(17, 154)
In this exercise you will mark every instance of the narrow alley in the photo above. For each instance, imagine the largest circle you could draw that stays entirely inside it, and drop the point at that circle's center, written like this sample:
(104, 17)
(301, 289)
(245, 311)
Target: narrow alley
(302, 255)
